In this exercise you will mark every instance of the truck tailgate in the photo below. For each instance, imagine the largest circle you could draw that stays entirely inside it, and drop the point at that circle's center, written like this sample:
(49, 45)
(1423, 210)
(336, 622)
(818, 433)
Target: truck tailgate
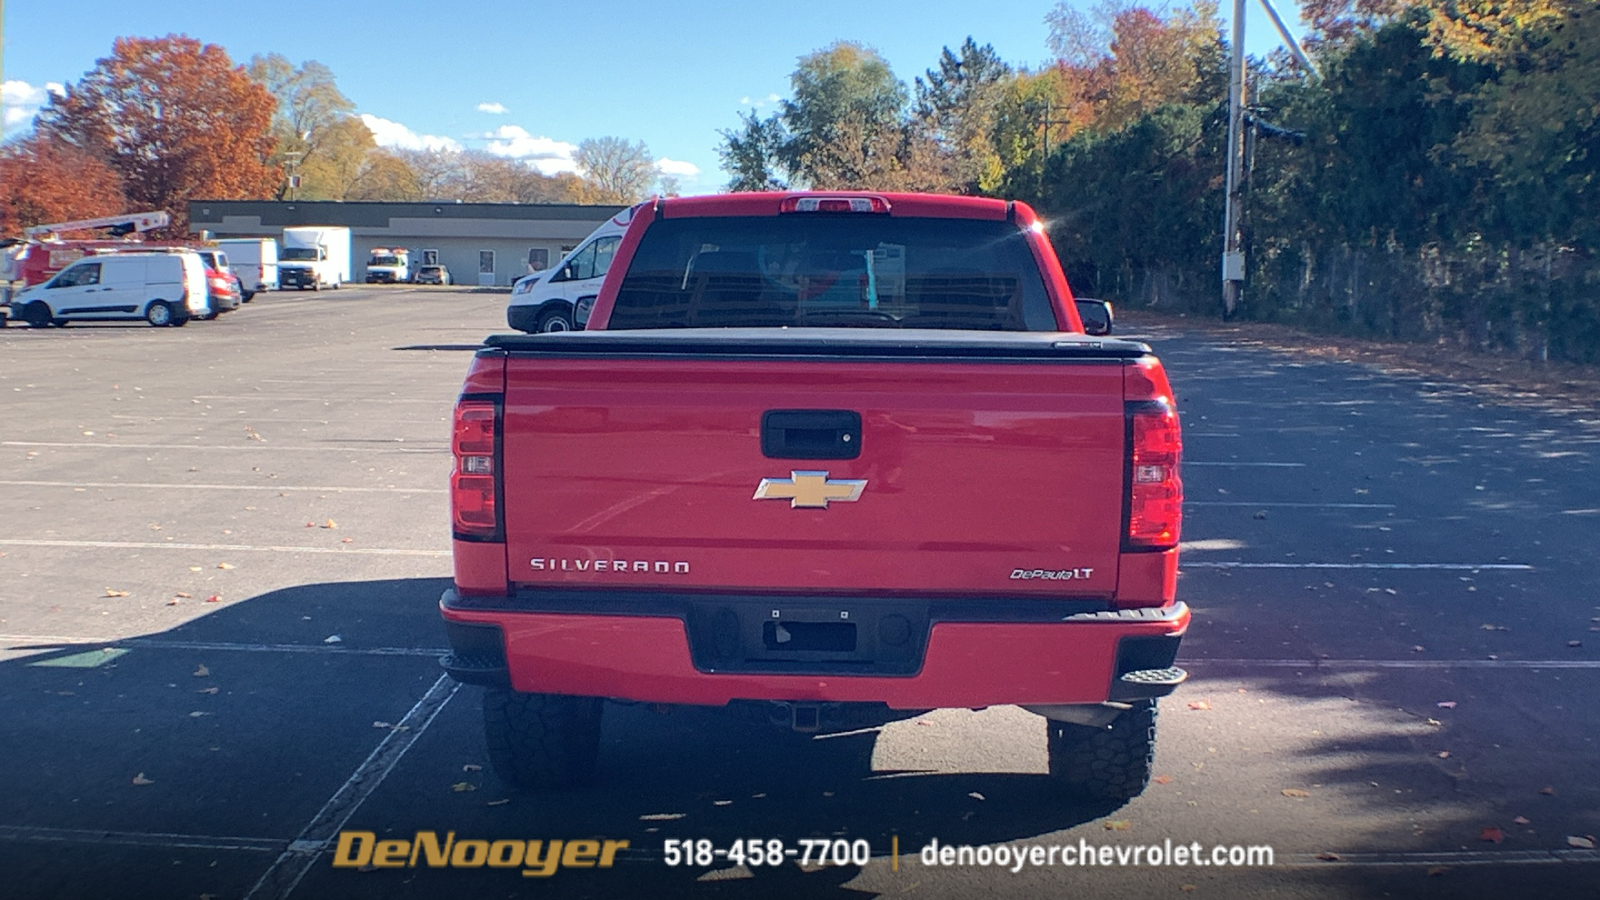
(998, 477)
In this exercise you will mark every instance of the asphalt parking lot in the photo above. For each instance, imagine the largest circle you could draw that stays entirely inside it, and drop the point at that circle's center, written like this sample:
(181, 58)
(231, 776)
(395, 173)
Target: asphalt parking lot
(224, 547)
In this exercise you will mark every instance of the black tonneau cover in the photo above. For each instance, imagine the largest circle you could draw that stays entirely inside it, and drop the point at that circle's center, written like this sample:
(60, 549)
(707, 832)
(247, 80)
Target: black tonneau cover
(822, 342)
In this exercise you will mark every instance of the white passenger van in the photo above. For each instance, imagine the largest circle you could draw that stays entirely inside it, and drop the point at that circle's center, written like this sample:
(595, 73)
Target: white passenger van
(559, 298)
(162, 287)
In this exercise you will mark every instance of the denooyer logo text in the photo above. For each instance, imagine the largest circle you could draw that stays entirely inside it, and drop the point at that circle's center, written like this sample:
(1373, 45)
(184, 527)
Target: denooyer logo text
(536, 858)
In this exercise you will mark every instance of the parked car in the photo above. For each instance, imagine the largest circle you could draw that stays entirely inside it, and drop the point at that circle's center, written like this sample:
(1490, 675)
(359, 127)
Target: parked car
(165, 287)
(217, 261)
(432, 275)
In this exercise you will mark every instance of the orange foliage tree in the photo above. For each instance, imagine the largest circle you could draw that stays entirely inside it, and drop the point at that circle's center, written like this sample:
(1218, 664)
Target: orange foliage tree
(45, 180)
(176, 119)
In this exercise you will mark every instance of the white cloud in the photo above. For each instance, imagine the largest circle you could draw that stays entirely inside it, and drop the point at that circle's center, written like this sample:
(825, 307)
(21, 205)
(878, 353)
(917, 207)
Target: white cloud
(768, 100)
(22, 101)
(497, 109)
(393, 134)
(548, 155)
(677, 168)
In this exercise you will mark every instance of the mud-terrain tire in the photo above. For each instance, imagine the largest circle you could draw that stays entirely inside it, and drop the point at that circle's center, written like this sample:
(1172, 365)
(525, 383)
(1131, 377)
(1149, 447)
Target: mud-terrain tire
(1109, 763)
(541, 741)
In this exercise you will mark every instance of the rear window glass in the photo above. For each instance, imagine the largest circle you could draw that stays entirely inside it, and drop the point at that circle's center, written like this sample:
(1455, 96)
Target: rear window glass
(833, 271)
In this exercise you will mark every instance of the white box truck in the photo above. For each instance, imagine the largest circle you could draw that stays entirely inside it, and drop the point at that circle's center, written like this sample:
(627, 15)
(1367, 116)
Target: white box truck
(255, 261)
(314, 256)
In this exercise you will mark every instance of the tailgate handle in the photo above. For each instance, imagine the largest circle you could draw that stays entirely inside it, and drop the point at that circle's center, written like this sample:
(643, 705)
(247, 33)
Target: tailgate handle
(811, 434)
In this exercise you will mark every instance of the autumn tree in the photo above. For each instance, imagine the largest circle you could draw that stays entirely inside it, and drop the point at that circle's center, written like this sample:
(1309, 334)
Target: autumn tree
(312, 117)
(46, 180)
(958, 104)
(342, 162)
(175, 119)
(616, 170)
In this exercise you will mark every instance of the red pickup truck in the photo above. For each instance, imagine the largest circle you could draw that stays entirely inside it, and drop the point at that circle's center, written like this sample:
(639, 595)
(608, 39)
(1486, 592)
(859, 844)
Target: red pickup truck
(820, 454)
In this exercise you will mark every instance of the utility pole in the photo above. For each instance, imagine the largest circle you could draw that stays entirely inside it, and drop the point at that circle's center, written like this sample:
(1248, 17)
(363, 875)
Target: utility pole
(1047, 122)
(1232, 253)
(1233, 206)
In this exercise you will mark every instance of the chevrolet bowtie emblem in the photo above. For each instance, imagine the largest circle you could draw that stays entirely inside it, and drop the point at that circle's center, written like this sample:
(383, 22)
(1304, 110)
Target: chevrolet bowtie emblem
(809, 489)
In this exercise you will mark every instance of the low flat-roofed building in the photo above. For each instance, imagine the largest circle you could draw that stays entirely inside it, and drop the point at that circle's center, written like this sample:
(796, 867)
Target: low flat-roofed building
(480, 243)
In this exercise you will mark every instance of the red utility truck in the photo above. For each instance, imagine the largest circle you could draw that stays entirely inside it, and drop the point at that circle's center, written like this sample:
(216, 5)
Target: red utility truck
(821, 454)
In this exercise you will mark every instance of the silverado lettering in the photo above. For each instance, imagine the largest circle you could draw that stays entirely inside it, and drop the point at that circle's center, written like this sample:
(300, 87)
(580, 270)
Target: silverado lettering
(657, 567)
(804, 344)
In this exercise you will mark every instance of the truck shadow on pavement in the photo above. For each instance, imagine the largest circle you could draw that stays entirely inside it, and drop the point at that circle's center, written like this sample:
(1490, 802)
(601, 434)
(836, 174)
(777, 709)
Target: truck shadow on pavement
(235, 728)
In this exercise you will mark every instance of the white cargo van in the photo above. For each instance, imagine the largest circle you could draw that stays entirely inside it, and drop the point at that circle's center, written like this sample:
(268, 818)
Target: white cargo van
(559, 298)
(255, 261)
(162, 288)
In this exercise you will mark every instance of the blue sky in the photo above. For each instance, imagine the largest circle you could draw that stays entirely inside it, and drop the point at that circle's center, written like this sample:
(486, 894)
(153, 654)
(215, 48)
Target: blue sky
(533, 78)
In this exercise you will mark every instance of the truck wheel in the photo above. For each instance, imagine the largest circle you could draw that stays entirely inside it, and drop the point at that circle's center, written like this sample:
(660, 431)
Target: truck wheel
(36, 314)
(316, 285)
(553, 320)
(158, 313)
(1110, 763)
(247, 296)
(541, 741)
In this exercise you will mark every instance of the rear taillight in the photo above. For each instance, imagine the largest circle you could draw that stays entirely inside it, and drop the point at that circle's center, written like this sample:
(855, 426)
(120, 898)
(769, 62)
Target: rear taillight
(475, 483)
(834, 205)
(1155, 450)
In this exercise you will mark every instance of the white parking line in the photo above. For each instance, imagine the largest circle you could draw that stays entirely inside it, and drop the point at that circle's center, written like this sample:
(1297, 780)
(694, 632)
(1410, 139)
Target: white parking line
(225, 487)
(1360, 664)
(138, 839)
(248, 445)
(1442, 858)
(284, 875)
(1445, 567)
(1282, 505)
(235, 548)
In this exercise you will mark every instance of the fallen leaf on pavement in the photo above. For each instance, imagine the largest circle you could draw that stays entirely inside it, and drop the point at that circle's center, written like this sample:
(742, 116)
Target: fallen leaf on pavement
(1118, 825)
(1444, 754)
(330, 524)
(141, 780)
(1547, 791)
(975, 795)
(1419, 649)
(1162, 779)
(1491, 834)
(461, 787)
(472, 767)
(1435, 722)
(173, 602)
(1522, 820)
(345, 540)
(1581, 843)
(1295, 792)
(1187, 889)
(1199, 704)
(225, 565)
(194, 568)
(498, 802)
(202, 672)
(209, 690)
(1574, 643)
(197, 714)
(382, 724)
(1325, 856)
(332, 639)
(1447, 704)
(1436, 871)
(214, 598)
(110, 592)
(184, 594)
